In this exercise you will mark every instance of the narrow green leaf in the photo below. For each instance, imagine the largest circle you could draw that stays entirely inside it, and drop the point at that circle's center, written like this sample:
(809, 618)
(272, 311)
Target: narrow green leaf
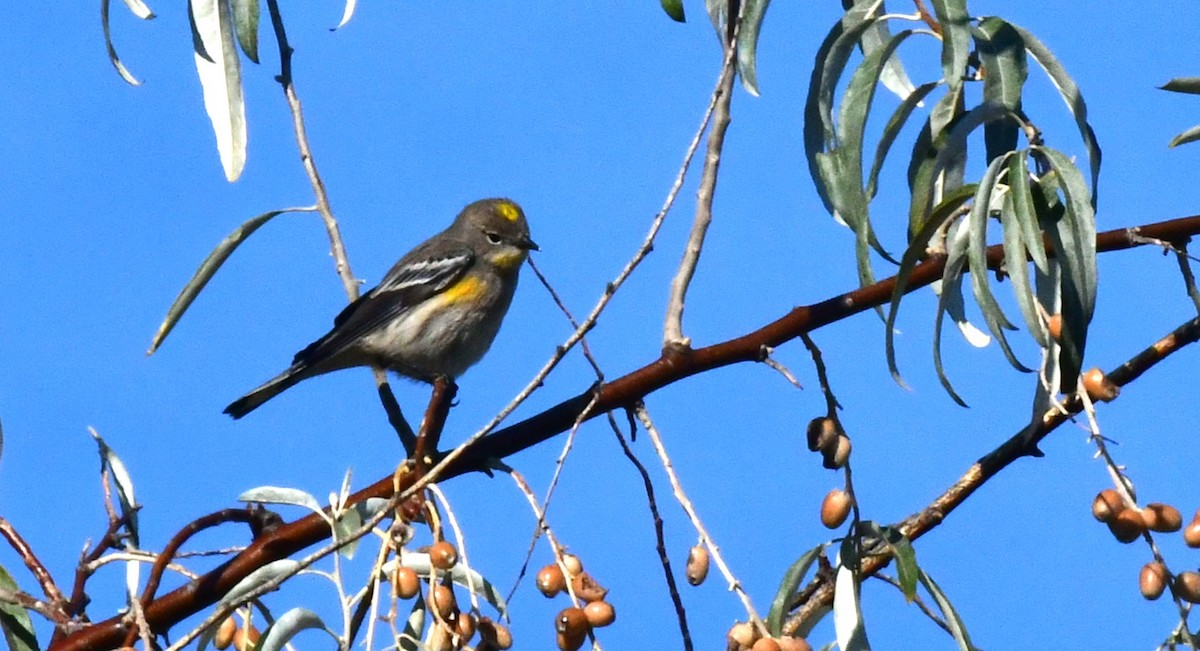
(950, 300)
(747, 45)
(1048, 285)
(347, 12)
(263, 575)
(718, 15)
(1069, 91)
(847, 610)
(245, 23)
(956, 38)
(112, 50)
(350, 522)
(280, 495)
(123, 483)
(788, 586)
(414, 627)
(830, 62)
(892, 129)
(948, 148)
(1005, 69)
(14, 620)
(912, 255)
(977, 222)
(1016, 265)
(1183, 85)
(219, 68)
(1191, 135)
(957, 628)
(288, 625)
(906, 560)
(852, 118)
(894, 78)
(208, 269)
(1023, 208)
(1074, 238)
(674, 9)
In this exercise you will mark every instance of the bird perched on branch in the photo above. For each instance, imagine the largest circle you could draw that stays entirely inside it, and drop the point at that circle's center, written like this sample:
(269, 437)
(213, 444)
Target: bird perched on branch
(434, 314)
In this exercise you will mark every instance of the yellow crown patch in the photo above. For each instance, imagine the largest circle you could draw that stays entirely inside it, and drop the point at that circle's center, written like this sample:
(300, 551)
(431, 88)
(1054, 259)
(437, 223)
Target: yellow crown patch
(508, 210)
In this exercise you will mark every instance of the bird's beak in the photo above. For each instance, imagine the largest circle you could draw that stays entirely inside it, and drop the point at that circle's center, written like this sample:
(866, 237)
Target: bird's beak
(528, 244)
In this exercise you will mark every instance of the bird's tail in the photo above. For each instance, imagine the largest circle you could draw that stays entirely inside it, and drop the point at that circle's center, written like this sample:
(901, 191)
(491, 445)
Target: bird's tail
(268, 390)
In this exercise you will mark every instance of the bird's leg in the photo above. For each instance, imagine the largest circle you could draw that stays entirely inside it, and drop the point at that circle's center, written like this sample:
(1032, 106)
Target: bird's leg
(435, 419)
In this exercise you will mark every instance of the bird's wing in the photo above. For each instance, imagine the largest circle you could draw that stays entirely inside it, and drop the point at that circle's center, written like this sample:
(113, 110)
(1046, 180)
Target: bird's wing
(414, 279)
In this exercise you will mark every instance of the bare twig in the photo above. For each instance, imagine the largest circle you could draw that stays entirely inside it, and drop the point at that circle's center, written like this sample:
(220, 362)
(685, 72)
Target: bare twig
(673, 337)
(30, 602)
(626, 390)
(659, 537)
(933, 617)
(990, 465)
(681, 497)
(39, 571)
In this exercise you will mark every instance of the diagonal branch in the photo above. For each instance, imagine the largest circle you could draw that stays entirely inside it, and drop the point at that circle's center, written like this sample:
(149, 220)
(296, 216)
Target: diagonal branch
(621, 392)
(1017, 446)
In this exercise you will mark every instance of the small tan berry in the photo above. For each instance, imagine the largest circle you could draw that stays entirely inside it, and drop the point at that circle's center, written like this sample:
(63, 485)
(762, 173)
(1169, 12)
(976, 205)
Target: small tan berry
(441, 598)
(493, 634)
(443, 555)
(1099, 388)
(441, 638)
(765, 644)
(550, 580)
(600, 613)
(1191, 535)
(571, 622)
(1054, 325)
(224, 635)
(1152, 580)
(572, 563)
(835, 508)
(1163, 518)
(587, 589)
(405, 582)
(569, 642)
(697, 565)
(841, 453)
(794, 644)
(245, 638)
(1107, 505)
(1127, 526)
(743, 634)
(465, 627)
(1187, 585)
(822, 434)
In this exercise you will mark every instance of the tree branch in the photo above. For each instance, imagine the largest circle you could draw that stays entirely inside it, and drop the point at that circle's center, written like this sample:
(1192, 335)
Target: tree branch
(620, 393)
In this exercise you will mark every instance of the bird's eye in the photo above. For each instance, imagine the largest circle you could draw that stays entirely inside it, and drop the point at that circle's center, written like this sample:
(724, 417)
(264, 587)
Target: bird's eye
(494, 238)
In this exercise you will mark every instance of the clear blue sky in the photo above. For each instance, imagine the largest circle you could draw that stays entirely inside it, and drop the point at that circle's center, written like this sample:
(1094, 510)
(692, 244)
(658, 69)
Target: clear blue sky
(581, 113)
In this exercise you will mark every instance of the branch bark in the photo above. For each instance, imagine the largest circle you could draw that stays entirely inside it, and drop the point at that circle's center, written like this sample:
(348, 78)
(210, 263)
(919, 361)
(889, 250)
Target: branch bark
(621, 393)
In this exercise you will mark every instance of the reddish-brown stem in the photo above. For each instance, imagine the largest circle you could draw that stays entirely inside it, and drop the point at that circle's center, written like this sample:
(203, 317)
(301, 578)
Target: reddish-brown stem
(49, 587)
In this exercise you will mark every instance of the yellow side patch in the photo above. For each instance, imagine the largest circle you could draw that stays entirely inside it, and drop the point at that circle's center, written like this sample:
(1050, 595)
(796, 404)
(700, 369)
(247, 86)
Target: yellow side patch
(464, 290)
(508, 210)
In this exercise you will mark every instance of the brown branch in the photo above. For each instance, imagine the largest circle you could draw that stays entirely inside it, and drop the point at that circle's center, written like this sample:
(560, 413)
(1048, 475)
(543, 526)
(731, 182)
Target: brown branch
(39, 571)
(623, 391)
(991, 464)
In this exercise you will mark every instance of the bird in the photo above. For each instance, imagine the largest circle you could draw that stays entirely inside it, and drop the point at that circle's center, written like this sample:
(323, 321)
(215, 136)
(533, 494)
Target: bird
(434, 314)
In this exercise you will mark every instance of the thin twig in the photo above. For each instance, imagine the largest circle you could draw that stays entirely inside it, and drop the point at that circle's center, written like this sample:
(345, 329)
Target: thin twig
(659, 537)
(681, 497)
(673, 337)
(779, 367)
(39, 571)
(30, 602)
(543, 527)
(933, 617)
(459, 540)
(806, 613)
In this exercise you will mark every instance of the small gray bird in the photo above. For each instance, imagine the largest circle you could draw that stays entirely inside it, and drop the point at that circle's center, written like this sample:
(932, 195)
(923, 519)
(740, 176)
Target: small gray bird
(434, 315)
